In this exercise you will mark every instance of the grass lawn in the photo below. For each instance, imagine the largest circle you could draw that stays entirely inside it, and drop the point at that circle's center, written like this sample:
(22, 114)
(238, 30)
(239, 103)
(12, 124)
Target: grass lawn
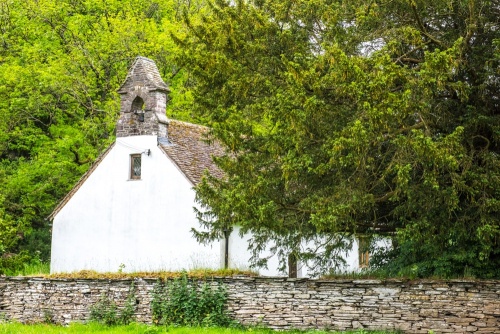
(94, 328)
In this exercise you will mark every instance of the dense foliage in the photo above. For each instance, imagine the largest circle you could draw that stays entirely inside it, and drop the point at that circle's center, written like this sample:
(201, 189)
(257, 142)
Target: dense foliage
(61, 64)
(340, 118)
(182, 302)
(354, 117)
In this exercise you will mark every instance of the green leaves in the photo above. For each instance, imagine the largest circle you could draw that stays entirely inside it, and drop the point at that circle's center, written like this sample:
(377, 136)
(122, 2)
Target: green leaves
(359, 118)
(61, 64)
(182, 302)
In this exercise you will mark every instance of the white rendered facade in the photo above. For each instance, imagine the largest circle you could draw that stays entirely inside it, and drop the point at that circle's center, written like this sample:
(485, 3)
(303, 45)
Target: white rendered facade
(115, 223)
(144, 225)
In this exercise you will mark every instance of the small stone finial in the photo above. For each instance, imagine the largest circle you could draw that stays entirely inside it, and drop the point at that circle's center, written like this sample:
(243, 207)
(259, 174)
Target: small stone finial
(143, 101)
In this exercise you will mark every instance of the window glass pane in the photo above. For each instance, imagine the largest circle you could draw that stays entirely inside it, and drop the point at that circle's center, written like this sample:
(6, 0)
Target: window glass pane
(136, 167)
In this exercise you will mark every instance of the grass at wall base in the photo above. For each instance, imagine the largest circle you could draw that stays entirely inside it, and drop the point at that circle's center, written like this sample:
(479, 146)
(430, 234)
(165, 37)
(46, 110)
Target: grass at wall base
(96, 328)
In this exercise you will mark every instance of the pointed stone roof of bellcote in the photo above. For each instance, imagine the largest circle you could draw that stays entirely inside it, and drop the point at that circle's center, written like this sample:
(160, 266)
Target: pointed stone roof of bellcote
(145, 72)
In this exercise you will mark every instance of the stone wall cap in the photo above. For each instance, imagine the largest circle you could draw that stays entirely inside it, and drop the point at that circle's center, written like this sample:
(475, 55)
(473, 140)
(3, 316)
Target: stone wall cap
(18, 278)
(260, 278)
(367, 281)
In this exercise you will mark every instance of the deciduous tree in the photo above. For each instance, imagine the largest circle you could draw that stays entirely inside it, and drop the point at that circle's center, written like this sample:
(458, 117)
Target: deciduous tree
(61, 64)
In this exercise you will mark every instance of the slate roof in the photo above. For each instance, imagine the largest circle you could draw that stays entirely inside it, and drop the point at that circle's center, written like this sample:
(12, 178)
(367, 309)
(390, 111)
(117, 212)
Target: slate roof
(145, 70)
(185, 147)
(188, 149)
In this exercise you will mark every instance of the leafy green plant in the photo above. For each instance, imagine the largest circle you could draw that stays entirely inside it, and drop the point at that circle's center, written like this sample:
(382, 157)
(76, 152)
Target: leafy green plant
(23, 264)
(48, 316)
(13, 264)
(107, 312)
(104, 311)
(182, 302)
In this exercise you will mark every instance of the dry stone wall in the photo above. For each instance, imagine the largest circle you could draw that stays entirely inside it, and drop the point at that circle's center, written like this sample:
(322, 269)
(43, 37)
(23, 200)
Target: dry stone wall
(454, 306)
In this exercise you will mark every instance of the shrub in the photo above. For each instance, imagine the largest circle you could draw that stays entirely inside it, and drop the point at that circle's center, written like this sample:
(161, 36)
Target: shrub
(182, 302)
(13, 264)
(106, 312)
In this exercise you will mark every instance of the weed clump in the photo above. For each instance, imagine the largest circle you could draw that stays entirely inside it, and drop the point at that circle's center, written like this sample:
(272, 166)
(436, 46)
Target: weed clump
(182, 302)
(107, 312)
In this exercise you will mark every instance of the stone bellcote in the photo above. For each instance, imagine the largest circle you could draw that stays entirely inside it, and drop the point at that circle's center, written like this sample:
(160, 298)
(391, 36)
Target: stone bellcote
(143, 101)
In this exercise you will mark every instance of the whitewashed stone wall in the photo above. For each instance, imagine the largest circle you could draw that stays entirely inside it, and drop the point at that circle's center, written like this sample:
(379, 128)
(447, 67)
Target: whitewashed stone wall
(454, 306)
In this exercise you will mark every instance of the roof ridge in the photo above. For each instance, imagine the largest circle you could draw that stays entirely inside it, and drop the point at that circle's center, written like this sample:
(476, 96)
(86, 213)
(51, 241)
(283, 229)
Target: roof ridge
(188, 123)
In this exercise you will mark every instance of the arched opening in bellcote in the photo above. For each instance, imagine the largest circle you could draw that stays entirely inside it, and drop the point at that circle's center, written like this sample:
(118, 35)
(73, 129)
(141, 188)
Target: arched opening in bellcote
(137, 105)
(138, 108)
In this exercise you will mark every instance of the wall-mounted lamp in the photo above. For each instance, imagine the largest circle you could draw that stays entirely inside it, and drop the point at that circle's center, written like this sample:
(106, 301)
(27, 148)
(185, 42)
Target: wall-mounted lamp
(148, 152)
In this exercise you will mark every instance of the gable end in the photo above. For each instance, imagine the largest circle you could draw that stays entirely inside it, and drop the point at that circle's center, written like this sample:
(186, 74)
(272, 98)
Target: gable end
(77, 186)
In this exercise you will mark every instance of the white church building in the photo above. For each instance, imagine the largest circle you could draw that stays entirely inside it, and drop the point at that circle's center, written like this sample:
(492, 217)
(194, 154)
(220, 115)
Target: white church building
(133, 209)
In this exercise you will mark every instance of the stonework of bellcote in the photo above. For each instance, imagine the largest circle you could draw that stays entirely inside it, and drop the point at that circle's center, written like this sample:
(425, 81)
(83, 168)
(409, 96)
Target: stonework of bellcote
(143, 101)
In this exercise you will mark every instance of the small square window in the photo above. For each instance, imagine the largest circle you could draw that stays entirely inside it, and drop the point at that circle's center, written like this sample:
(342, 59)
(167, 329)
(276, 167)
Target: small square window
(135, 167)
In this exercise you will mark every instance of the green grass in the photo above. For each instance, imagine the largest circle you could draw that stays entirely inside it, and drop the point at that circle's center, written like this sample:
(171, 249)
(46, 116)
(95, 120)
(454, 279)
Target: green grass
(38, 269)
(34, 268)
(94, 328)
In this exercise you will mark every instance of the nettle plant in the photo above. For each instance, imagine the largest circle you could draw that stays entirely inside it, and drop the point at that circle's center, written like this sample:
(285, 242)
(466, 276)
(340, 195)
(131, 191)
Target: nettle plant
(107, 312)
(184, 302)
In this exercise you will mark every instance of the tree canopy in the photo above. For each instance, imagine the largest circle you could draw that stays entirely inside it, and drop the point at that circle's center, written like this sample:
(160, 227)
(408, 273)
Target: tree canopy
(61, 63)
(344, 118)
(340, 118)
